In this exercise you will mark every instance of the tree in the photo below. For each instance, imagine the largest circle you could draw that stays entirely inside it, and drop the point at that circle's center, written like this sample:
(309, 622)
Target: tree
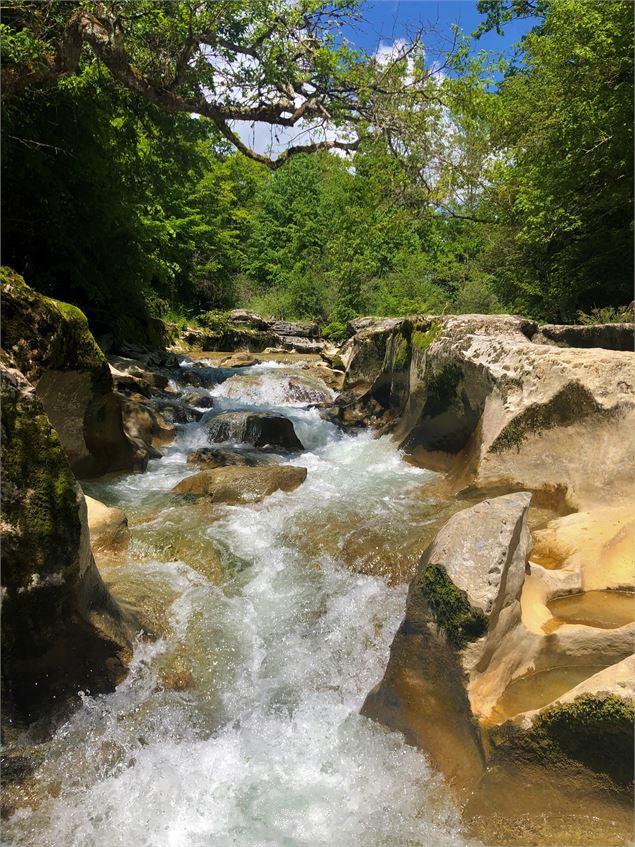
(268, 61)
(561, 178)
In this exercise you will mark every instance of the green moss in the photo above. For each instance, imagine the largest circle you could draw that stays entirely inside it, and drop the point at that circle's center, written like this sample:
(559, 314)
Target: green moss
(442, 386)
(596, 730)
(402, 355)
(215, 320)
(572, 404)
(451, 609)
(422, 340)
(81, 347)
(57, 333)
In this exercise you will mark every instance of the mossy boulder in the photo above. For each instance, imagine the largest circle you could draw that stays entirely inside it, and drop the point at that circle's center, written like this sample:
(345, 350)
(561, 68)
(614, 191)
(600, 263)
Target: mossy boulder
(61, 631)
(51, 344)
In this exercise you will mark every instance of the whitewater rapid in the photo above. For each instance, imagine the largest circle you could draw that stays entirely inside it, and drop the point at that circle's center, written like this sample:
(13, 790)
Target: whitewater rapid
(266, 747)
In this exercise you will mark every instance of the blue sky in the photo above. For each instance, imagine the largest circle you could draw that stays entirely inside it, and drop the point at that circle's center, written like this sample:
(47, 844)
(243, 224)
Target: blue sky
(388, 20)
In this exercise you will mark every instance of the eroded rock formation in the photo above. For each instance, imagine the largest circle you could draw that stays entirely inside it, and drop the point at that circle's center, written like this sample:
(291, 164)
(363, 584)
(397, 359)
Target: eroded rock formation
(475, 397)
(50, 343)
(61, 630)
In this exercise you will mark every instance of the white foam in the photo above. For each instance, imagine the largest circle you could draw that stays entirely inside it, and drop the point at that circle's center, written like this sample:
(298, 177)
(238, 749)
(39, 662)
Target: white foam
(267, 748)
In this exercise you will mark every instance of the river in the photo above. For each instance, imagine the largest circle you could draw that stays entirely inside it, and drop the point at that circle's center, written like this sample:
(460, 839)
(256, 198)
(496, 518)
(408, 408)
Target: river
(239, 724)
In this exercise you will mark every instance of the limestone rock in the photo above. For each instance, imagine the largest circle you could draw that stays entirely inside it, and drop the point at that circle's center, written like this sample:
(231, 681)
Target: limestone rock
(142, 423)
(262, 429)
(239, 360)
(483, 550)
(242, 484)
(471, 572)
(108, 526)
(51, 345)
(296, 329)
(61, 630)
(608, 336)
(472, 395)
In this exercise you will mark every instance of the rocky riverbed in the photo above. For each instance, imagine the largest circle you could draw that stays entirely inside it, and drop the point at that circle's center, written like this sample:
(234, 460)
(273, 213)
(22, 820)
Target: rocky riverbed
(381, 595)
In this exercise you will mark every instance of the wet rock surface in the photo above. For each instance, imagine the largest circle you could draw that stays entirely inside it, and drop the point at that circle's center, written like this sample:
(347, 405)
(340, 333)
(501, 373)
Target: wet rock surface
(262, 429)
(242, 484)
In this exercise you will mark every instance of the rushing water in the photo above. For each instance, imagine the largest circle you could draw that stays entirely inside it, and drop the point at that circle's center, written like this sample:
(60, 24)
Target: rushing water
(262, 743)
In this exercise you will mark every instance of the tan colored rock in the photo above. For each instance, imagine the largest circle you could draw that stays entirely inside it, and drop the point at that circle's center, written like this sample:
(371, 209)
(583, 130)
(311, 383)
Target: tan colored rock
(147, 425)
(239, 360)
(108, 526)
(599, 544)
(472, 395)
(242, 484)
(474, 632)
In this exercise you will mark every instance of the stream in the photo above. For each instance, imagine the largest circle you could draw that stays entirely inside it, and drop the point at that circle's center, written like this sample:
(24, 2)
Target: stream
(239, 723)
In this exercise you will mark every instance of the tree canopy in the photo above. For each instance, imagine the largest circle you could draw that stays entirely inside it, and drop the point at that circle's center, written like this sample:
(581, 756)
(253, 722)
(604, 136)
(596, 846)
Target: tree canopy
(458, 184)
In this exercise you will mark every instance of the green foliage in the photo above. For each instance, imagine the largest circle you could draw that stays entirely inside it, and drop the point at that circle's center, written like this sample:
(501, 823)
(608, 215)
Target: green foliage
(450, 607)
(561, 185)
(482, 197)
(215, 320)
(422, 339)
(607, 315)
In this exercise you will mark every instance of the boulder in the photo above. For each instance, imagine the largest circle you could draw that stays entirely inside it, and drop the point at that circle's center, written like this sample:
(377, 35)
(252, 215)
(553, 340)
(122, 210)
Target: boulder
(472, 634)
(177, 412)
(61, 630)
(220, 457)
(472, 395)
(250, 319)
(262, 429)
(51, 345)
(238, 360)
(198, 399)
(470, 574)
(299, 344)
(296, 329)
(108, 526)
(242, 484)
(144, 424)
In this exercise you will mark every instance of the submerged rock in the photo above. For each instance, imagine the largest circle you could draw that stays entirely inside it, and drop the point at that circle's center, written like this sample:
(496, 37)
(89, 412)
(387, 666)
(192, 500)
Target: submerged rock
(262, 429)
(108, 526)
(52, 346)
(61, 630)
(220, 457)
(242, 484)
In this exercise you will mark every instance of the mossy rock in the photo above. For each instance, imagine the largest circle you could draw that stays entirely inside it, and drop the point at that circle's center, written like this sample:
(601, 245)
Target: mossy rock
(43, 334)
(450, 607)
(422, 339)
(574, 403)
(42, 529)
(595, 731)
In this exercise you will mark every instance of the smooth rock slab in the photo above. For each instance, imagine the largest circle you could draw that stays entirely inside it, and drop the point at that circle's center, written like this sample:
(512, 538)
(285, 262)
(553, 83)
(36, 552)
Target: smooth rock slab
(242, 484)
